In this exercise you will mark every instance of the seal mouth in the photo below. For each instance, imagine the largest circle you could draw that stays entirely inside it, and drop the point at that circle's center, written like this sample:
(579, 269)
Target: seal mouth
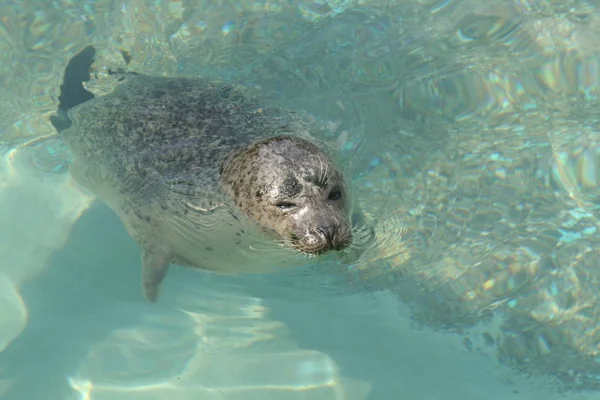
(320, 242)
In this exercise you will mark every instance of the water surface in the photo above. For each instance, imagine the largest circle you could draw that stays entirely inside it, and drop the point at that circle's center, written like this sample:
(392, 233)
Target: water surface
(470, 131)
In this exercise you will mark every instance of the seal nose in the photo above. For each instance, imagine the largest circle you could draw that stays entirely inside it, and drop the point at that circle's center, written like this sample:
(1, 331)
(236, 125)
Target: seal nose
(327, 230)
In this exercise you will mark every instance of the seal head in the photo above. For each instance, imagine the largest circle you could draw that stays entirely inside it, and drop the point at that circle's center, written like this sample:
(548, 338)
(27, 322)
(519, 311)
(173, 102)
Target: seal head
(293, 188)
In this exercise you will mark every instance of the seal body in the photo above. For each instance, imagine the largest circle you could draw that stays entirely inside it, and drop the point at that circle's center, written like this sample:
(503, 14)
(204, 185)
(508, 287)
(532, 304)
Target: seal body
(203, 174)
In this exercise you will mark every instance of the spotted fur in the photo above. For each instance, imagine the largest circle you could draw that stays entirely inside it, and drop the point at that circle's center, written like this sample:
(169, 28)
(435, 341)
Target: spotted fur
(199, 171)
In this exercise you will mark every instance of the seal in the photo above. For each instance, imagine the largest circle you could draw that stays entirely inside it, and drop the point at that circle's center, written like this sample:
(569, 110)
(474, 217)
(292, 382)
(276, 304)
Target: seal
(204, 174)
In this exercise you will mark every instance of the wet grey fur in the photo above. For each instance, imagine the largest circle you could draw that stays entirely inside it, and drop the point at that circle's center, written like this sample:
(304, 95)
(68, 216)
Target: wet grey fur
(152, 127)
(165, 154)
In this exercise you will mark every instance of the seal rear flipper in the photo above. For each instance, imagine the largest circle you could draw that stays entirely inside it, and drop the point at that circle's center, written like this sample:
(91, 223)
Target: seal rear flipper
(72, 92)
(155, 264)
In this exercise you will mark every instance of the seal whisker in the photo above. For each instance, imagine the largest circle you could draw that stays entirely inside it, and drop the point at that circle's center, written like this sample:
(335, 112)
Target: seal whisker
(327, 174)
(286, 244)
(362, 236)
(325, 177)
(391, 231)
(321, 171)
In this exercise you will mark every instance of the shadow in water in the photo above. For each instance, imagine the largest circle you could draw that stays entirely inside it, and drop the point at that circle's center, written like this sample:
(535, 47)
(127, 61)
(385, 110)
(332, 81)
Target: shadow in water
(70, 306)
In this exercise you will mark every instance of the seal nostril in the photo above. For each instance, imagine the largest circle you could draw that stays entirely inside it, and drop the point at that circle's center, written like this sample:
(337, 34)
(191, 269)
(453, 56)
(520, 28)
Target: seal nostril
(327, 231)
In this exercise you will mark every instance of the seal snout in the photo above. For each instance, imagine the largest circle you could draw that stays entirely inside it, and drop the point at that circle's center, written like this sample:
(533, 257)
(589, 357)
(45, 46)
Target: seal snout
(327, 233)
(327, 236)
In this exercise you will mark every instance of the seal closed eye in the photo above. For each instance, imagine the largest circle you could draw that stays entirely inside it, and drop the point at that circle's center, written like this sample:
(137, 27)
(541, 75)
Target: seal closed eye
(202, 173)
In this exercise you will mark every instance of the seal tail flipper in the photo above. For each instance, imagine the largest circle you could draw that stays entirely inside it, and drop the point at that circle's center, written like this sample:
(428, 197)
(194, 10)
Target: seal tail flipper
(72, 92)
(155, 265)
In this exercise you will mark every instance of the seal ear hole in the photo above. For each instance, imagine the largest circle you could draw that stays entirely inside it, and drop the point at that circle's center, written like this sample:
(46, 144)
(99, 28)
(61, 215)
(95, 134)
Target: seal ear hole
(335, 195)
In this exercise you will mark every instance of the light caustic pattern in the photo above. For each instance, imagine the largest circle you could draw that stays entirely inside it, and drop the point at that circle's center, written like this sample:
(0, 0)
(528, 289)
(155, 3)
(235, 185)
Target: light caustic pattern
(482, 127)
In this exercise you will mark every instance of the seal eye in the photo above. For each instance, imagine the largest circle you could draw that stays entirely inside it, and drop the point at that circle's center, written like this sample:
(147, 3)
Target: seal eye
(335, 195)
(285, 205)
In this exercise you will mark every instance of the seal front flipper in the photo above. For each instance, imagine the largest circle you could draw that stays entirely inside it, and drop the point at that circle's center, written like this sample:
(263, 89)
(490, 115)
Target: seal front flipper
(155, 264)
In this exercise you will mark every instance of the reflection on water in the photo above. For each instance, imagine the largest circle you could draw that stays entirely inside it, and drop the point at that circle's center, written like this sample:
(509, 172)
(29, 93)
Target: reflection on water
(470, 128)
(217, 345)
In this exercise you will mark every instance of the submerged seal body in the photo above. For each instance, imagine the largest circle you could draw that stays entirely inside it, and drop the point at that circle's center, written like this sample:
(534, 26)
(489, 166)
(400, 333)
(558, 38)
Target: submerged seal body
(203, 174)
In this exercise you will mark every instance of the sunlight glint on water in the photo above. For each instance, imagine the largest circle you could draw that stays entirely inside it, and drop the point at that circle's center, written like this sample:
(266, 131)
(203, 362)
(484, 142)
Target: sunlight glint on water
(471, 133)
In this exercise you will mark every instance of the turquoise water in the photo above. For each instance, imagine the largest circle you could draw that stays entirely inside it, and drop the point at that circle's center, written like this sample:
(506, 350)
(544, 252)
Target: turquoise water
(470, 131)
